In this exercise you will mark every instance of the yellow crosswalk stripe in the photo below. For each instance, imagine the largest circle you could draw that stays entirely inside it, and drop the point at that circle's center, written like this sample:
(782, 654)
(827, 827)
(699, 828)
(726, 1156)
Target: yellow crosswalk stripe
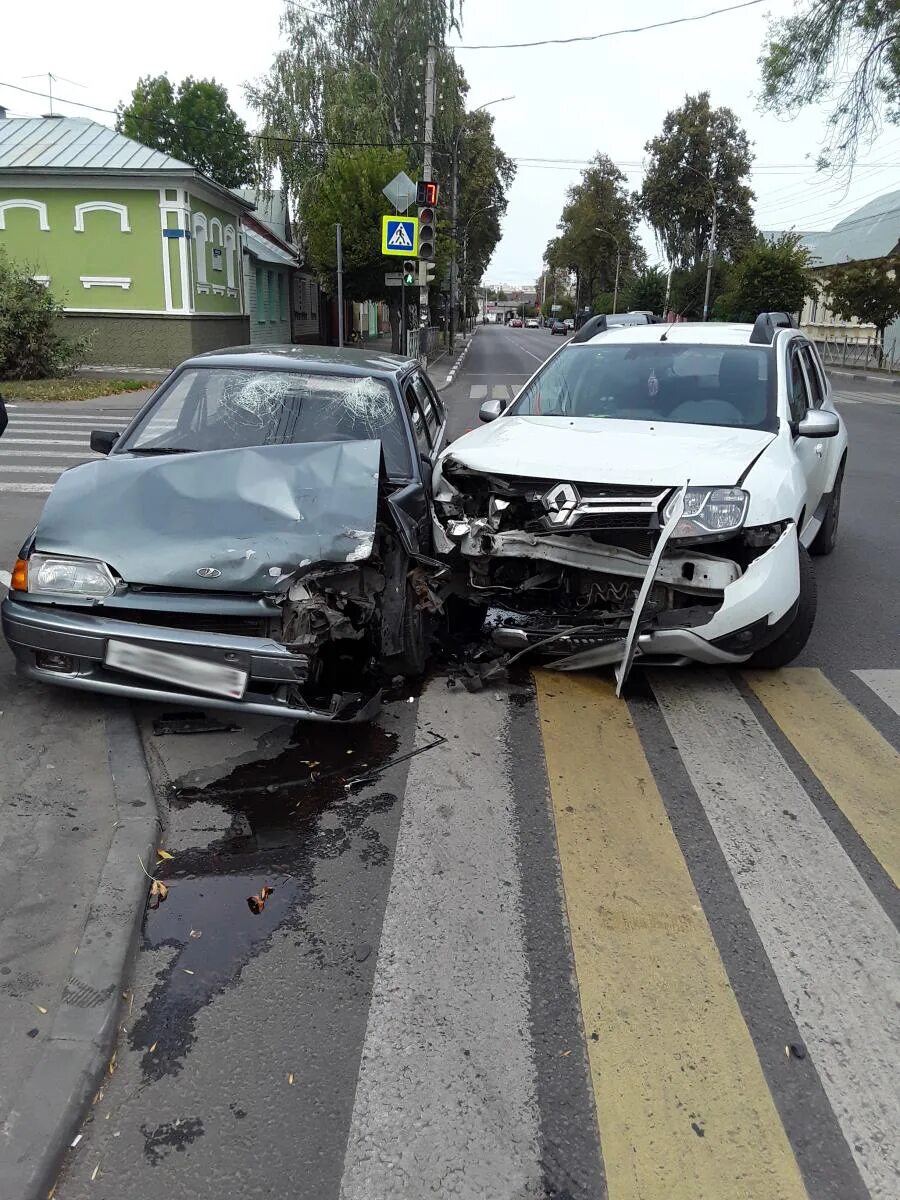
(670, 1055)
(853, 762)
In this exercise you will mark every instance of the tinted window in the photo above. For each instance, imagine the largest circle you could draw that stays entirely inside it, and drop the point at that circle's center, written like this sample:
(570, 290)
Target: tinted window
(224, 408)
(798, 397)
(423, 439)
(731, 386)
(424, 396)
(814, 376)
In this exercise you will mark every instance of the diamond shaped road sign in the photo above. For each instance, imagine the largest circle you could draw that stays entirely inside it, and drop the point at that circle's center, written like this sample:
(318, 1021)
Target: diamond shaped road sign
(401, 191)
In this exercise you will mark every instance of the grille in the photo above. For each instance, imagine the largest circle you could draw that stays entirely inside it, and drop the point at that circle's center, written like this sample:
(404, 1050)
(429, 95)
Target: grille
(196, 622)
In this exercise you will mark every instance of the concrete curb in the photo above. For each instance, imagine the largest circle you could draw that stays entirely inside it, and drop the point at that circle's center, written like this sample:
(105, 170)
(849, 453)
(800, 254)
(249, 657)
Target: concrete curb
(457, 362)
(53, 1100)
(846, 373)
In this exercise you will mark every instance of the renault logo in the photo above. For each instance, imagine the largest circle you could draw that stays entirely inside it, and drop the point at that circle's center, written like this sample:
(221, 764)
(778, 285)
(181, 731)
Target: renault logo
(208, 573)
(560, 503)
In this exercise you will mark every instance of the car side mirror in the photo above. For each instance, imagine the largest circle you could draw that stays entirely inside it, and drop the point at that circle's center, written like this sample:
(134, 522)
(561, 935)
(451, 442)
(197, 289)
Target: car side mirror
(490, 410)
(103, 440)
(819, 423)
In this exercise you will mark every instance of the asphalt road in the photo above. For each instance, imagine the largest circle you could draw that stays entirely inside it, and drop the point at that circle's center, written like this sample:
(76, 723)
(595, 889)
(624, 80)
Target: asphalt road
(534, 942)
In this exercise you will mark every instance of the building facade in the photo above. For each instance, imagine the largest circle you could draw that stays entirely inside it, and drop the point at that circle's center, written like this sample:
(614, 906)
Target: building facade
(142, 251)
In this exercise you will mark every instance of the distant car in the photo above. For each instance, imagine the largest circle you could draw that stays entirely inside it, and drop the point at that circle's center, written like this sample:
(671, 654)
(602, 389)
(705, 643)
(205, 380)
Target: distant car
(532, 323)
(515, 323)
(569, 322)
(558, 326)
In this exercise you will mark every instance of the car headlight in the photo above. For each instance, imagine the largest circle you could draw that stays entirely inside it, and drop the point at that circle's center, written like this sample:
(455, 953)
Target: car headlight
(53, 575)
(709, 512)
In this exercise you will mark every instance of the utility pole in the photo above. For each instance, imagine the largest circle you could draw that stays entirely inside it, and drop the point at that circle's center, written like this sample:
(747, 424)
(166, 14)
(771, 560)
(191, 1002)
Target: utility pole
(429, 138)
(454, 198)
(709, 260)
(340, 286)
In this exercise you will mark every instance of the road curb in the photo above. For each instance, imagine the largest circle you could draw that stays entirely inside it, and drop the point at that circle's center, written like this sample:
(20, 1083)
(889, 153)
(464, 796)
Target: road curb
(54, 1099)
(457, 363)
(891, 381)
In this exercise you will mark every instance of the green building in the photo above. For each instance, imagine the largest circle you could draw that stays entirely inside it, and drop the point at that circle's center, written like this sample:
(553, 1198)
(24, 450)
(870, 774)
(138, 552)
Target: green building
(143, 252)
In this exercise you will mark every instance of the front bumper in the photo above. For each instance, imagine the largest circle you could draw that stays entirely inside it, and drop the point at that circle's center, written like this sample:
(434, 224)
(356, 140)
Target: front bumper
(274, 672)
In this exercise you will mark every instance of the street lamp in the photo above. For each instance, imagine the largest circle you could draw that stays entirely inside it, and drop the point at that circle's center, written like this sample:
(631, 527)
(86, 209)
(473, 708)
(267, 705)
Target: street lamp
(618, 263)
(453, 216)
(475, 214)
(712, 236)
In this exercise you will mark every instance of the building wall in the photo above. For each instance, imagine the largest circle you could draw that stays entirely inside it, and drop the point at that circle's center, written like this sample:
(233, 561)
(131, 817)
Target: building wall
(215, 258)
(307, 302)
(268, 291)
(129, 340)
(107, 257)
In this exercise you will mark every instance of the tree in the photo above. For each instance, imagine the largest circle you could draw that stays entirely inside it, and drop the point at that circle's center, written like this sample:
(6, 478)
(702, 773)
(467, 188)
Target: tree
(768, 277)
(647, 291)
(700, 159)
(31, 345)
(806, 61)
(866, 291)
(485, 176)
(599, 211)
(194, 122)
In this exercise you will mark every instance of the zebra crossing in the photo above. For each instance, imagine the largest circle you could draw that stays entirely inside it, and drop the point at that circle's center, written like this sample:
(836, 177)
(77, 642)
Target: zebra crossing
(40, 444)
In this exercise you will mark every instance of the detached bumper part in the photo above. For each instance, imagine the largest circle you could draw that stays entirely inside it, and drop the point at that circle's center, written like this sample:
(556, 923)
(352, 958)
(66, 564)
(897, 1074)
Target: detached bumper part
(69, 648)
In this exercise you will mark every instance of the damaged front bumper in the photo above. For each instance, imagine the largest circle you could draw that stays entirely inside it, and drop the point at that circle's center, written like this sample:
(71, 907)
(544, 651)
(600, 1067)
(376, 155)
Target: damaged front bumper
(69, 647)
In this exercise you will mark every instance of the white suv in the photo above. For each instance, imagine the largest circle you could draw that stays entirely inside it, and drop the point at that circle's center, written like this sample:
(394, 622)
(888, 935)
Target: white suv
(652, 494)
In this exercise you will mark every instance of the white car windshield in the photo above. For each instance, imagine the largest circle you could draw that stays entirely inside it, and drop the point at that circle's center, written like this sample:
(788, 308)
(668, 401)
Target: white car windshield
(731, 386)
(225, 408)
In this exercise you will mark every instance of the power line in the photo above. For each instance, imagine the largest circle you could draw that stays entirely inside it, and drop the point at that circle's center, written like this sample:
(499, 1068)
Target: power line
(595, 37)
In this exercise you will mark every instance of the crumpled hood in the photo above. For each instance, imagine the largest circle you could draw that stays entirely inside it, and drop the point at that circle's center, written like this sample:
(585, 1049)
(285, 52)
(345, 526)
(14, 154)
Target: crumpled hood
(254, 514)
(595, 450)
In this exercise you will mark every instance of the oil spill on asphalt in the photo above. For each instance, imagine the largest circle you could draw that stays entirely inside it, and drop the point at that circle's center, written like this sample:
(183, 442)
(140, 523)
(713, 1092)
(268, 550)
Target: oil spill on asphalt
(287, 814)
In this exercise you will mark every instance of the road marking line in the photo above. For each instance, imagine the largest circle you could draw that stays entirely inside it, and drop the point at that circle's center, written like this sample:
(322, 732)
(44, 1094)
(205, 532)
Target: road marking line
(446, 1096)
(672, 1047)
(33, 469)
(26, 487)
(885, 684)
(834, 950)
(477, 391)
(855, 764)
(525, 350)
(5, 578)
(500, 391)
(8, 441)
(87, 455)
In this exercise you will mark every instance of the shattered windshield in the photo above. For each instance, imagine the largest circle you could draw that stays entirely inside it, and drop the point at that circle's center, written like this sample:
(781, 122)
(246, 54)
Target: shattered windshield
(226, 408)
(730, 386)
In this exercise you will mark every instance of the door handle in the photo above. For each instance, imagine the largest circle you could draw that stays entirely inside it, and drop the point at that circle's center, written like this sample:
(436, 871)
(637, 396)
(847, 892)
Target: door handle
(820, 449)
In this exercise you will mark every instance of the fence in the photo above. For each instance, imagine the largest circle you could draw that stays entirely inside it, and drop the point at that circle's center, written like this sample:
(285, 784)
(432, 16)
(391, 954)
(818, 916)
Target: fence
(857, 352)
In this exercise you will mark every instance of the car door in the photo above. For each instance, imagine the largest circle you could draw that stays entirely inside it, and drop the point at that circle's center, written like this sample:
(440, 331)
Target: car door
(412, 502)
(811, 452)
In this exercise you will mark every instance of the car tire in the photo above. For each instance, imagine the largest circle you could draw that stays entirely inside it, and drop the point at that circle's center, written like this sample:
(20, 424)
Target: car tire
(788, 644)
(826, 539)
(410, 662)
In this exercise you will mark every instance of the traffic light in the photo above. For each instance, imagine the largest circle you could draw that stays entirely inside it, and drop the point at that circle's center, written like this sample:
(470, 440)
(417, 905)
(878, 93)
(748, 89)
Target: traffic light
(426, 193)
(409, 272)
(426, 233)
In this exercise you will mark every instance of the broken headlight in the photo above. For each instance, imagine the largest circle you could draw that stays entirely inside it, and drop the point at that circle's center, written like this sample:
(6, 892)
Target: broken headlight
(51, 575)
(709, 512)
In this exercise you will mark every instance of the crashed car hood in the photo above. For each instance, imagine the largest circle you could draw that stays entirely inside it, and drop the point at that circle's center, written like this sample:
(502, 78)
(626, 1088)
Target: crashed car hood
(596, 450)
(251, 515)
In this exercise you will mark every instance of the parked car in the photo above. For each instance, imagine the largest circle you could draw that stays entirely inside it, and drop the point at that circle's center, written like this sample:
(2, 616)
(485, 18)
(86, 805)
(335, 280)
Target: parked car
(558, 326)
(516, 323)
(257, 539)
(652, 492)
(532, 323)
(569, 322)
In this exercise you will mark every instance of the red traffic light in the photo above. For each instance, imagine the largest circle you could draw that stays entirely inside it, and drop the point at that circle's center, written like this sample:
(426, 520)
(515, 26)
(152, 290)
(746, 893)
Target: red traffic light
(426, 192)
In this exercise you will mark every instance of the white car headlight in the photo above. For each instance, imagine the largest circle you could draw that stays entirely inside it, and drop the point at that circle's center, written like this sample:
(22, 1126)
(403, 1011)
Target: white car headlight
(53, 575)
(710, 511)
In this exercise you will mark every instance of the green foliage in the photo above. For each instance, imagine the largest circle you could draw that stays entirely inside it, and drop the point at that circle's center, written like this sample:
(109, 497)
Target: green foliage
(768, 277)
(647, 292)
(870, 292)
(689, 289)
(599, 212)
(194, 122)
(485, 176)
(702, 153)
(806, 58)
(31, 346)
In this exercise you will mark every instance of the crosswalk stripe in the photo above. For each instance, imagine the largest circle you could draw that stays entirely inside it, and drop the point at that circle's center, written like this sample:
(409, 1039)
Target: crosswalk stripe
(478, 391)
(885, 684)
(863, 778)
(667, 1043)
(448, 1058)
(60, 426)
(834, 950)
(499, 391)
(30, 468)
(84, 455)
(36, 441)
(26, 487)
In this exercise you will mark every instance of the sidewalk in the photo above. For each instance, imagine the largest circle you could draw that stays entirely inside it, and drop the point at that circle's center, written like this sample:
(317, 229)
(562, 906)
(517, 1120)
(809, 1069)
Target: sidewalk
(885, 378)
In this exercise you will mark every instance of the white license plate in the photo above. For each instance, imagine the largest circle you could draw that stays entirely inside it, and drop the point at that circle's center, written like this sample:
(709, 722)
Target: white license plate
(197, 673)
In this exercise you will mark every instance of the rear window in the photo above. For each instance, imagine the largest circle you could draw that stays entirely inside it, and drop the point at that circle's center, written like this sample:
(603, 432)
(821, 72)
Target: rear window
(729, 386)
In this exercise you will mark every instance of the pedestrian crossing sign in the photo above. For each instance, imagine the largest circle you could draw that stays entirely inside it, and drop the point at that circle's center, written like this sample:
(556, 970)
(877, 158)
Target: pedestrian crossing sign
(400, 235)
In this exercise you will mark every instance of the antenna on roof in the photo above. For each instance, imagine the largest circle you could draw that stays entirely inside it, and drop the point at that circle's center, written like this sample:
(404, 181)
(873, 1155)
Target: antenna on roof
(51, 79)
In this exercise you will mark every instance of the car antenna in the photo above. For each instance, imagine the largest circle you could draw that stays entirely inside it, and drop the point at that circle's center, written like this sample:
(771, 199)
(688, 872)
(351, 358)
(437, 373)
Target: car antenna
(676, 318)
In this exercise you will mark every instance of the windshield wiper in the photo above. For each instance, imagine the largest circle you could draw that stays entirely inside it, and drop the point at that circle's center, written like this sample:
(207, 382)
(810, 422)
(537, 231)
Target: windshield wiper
(162, 450)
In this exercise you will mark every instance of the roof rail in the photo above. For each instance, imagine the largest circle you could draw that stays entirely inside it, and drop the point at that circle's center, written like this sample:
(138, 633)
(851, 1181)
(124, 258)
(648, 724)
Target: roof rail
(767, 325)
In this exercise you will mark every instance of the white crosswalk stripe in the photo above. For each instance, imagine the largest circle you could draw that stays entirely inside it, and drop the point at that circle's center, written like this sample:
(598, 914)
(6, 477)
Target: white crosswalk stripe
(48, 443)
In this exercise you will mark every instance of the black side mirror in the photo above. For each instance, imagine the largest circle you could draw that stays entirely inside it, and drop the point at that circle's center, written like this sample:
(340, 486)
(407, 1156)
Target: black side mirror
(490, 410)
(103, 440)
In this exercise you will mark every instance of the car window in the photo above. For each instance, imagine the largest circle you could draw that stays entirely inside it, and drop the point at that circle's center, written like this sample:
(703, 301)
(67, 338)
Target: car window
(226, 408)
(798, 397)
(432, 420)
(420, 429)
(729, 386)
(435, 399)
(814, 376)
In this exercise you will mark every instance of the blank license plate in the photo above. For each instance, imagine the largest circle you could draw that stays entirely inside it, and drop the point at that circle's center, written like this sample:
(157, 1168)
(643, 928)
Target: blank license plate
(197, 673)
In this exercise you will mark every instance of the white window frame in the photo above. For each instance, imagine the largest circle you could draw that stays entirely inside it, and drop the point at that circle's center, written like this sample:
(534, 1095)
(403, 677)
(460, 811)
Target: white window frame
(37, 206)
(230, 247)
(200, 231)
(90, 206)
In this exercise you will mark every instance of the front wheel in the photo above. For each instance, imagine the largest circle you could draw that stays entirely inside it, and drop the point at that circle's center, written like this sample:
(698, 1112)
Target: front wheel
(788, 644)
(825, 540)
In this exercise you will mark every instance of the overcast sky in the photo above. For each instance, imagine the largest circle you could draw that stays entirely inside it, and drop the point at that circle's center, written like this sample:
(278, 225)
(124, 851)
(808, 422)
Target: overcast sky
(570, 101)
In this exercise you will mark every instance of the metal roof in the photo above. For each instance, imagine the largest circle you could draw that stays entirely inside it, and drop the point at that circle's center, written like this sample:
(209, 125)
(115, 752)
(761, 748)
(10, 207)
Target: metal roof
(873, 231)
(267, 251)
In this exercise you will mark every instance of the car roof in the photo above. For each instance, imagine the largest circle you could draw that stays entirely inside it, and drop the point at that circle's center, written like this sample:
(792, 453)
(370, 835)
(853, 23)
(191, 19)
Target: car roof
(696, 333)
(329, 360)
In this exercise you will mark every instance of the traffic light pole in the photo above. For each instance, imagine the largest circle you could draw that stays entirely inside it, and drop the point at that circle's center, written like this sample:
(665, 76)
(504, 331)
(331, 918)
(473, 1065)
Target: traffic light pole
(454, 194)
(402, 315)
(429, 135)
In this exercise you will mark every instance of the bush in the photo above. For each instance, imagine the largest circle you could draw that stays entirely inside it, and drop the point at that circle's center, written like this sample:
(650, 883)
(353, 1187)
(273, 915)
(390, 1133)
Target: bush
(31, 346)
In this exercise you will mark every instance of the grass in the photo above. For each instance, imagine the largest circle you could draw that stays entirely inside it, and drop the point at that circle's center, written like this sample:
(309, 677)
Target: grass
(72, 388)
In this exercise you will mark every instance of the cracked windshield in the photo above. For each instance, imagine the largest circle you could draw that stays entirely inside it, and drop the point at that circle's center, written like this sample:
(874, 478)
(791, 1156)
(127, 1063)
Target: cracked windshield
(449, 673)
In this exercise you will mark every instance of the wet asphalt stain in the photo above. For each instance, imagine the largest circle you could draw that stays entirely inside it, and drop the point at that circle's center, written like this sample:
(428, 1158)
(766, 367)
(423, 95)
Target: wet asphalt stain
(173, 1135)
(287, 814)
